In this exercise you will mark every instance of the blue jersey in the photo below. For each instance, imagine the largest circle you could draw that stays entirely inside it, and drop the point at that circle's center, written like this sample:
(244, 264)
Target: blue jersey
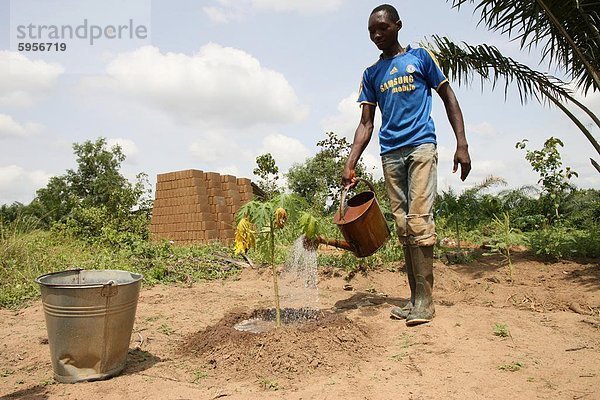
(401, 87)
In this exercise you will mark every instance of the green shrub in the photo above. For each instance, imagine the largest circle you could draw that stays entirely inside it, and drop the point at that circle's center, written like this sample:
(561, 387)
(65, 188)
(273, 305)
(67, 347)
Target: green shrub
(556, 243)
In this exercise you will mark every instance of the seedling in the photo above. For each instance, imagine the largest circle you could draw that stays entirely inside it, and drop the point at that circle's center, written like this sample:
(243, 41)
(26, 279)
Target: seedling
(199, 375)
(513, 367)
(269, 384)
(399, 356)
(165, 329)
(501, 330)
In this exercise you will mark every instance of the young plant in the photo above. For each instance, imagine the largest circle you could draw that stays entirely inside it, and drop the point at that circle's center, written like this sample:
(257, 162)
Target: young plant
(507, 237)
(268, 217)
(501, 330)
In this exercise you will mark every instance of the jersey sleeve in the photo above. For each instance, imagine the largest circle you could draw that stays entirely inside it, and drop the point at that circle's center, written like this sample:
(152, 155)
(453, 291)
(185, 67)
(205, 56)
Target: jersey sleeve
(432, 71)
(366, 93)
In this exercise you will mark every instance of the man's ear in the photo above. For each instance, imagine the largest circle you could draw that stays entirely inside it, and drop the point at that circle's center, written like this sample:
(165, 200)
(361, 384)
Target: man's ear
(399, 23)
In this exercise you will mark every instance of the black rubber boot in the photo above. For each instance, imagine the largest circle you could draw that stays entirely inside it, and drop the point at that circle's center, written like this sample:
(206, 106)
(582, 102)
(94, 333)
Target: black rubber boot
(402, 312)
(422, 262)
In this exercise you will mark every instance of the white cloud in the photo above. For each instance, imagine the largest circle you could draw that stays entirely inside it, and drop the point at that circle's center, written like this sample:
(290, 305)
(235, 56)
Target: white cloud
(212, 149)
(285, 150)
(18, 184)
(217, 87)
(24, 81)
(128, 147)
(482, 129)
(345, 121)
(10, 127)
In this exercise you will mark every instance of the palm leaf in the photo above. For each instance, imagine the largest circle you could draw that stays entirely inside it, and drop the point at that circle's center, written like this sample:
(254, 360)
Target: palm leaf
(462, 62)
(567, 31)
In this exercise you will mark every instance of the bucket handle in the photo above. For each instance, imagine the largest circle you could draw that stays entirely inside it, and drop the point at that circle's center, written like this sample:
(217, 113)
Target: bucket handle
(109, 289)
(343, 205)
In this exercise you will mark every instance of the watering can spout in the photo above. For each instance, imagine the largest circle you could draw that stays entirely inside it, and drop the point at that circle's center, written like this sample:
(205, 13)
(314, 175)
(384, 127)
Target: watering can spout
(340, 244)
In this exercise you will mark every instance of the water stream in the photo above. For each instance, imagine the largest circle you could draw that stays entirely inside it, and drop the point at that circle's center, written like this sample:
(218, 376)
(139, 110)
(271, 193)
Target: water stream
(298, 292)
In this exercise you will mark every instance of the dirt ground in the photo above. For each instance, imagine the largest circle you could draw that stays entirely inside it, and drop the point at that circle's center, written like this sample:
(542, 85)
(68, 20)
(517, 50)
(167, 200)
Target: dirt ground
(184, 345)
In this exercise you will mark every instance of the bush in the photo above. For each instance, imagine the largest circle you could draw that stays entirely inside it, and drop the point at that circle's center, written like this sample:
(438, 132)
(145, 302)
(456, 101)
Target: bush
(556, 243)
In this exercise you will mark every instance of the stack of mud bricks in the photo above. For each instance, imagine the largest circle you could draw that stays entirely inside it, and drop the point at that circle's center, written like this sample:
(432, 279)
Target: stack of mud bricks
(193, 206)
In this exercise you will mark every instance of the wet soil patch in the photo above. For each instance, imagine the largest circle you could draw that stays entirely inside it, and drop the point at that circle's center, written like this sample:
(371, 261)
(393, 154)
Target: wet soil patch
(322, 344)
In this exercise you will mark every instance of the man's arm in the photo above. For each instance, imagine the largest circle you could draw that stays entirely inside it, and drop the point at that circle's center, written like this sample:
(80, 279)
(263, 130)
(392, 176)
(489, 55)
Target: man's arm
(461, 156)
(362, 136)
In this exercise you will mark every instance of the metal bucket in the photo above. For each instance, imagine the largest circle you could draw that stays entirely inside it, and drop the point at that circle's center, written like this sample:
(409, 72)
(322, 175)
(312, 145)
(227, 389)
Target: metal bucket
(89, 317)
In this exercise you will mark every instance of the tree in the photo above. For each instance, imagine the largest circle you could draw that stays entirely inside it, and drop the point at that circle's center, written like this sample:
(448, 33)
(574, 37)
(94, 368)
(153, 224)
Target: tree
(95, 195)
(318, 179)
(268, 172)
(567, 32)
(553, 177)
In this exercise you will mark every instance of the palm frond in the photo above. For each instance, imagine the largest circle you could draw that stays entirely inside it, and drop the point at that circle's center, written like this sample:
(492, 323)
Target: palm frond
(567, 31)
(461, 62)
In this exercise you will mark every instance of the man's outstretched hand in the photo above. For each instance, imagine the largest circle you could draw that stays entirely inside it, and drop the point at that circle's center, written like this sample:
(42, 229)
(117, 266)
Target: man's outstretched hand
(461, 156)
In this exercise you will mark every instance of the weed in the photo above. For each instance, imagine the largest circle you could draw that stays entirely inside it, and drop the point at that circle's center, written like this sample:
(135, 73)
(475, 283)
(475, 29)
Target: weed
(153, 318)
(6, 372)
(406, 340)
(165, 329)
(501, 330)
(269, 384)
(199, 375)
(507, 237)
(512, 367)
(399, 356)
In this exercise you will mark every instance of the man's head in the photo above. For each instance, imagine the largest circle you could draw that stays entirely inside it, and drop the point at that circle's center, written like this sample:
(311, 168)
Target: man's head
(384, 25)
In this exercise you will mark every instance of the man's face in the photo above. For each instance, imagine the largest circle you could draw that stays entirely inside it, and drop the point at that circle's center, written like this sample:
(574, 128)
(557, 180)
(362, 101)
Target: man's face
(383, 31)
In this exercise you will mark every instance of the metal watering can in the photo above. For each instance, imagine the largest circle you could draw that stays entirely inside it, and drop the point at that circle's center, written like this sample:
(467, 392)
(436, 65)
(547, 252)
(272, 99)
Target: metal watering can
(361, 222)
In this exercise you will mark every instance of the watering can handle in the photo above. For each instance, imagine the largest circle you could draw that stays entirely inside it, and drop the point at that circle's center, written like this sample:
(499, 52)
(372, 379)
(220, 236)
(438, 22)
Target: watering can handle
(343, 205)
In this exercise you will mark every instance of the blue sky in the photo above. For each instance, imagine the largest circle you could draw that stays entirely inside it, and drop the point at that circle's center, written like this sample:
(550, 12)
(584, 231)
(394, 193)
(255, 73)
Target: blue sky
(218, 82)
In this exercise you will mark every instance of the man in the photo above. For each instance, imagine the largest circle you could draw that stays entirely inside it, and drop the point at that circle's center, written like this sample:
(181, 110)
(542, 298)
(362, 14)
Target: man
(400, 83)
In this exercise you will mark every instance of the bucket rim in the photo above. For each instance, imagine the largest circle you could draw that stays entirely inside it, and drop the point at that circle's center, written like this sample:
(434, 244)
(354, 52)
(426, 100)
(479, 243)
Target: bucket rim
(136, 278)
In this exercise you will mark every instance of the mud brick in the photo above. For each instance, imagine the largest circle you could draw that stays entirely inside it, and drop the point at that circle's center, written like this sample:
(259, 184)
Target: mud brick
(203, 216)
(211, 234)
(167, 176)
(224, 225)
(212, 176)
(228, 178)
(209, 225)
(220, 201)
(201, 208)
(220, 209)
(245, 197)
(226, 234)
(244, 181)
(244, 189)
(227, 217)
(215, 192)
(194, 199)
(213, 208)
(229, 186)
(198, 235)
(197, 173)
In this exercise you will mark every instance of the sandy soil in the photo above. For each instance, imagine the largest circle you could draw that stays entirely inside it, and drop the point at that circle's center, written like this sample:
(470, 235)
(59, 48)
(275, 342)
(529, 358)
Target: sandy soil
(189, 349)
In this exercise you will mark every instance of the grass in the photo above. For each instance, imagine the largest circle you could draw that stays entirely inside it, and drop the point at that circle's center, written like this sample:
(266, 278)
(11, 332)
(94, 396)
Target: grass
(165, 329)
(199, 375)
(25, 255)
(512, 367)
(501, 330)
(269, 384)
